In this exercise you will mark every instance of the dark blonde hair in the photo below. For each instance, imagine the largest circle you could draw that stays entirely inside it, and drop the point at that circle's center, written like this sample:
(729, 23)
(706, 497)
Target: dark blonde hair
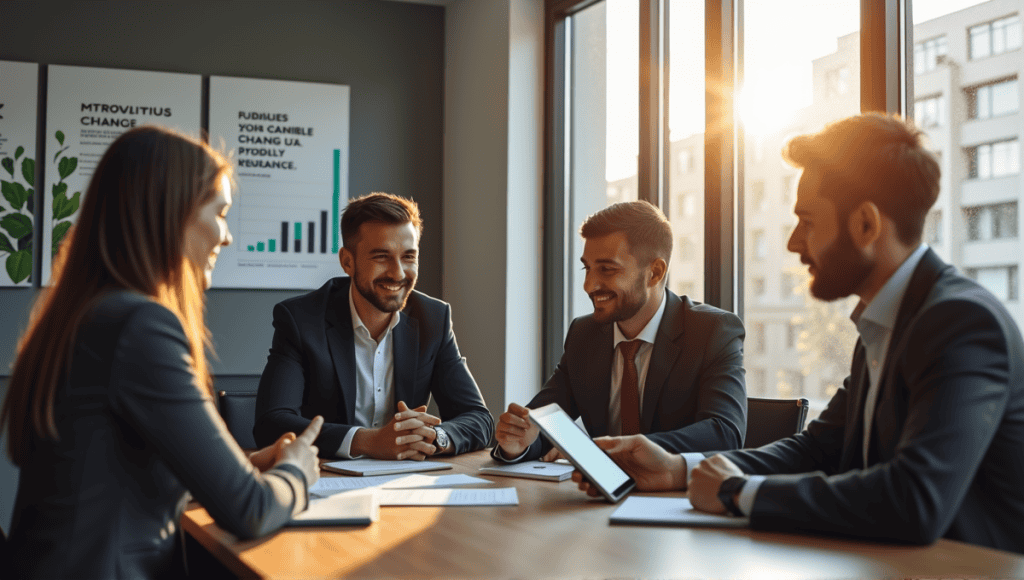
(873, 157)
(648, 231)
(130, 235)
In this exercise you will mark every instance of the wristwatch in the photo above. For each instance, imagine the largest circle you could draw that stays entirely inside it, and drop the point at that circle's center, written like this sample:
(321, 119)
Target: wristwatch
(441, 440)
(728, 489)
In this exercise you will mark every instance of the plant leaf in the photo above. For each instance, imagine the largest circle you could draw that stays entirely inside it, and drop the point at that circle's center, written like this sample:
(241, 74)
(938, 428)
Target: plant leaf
(19, 265)
(59, 231)
(59, 189)
(57, 154)
(68, 207)
(67, 166)
(60, 137)
(8, 164)
(17, 225)
(18, 152)
(28, 171)
(5, 244)
(30, 201)
(14, 193)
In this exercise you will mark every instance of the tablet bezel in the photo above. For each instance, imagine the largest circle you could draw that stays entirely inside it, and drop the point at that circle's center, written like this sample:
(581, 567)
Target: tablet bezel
(554, 409)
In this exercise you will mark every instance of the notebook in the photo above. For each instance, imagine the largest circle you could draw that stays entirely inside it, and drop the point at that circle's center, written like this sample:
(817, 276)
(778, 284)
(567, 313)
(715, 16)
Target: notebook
(532, 470)
(383, 466)
(346, 509)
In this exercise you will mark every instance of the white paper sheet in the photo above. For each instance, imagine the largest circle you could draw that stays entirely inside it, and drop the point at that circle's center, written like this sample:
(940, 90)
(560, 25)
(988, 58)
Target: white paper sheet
(449, 497)
(327, 486)
(671, 510)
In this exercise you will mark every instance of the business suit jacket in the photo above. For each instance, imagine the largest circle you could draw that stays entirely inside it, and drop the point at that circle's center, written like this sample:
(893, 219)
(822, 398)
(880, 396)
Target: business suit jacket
(136, 433)
(946, 457)
(311, 370)
(694, 397)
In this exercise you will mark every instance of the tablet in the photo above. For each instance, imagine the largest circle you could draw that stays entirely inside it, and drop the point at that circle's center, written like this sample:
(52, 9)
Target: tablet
(582, 452)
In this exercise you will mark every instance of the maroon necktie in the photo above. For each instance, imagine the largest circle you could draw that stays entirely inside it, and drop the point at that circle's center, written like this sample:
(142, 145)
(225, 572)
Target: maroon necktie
(629, 406)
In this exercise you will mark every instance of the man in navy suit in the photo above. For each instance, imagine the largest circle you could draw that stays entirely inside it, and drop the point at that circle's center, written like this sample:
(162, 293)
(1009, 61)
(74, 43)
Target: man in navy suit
(646, 361)
(368, 351)
(926, 437)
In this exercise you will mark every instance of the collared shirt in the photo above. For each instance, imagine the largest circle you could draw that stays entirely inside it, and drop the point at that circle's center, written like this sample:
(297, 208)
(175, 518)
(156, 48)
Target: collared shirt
(875, 323)
(375, 376)
(642, 361)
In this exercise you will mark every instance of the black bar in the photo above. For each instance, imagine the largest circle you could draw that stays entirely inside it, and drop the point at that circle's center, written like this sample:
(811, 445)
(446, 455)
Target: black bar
(284, 236)
(310, 237)
(323, 232)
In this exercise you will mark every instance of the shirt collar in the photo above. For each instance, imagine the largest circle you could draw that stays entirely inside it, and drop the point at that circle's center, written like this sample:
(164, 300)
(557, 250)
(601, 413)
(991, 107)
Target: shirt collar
(885, 306)
(650, 331)
(357, 322)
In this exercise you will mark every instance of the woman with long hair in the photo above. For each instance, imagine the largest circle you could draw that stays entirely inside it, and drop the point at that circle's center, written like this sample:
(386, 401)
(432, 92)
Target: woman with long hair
(109, 411)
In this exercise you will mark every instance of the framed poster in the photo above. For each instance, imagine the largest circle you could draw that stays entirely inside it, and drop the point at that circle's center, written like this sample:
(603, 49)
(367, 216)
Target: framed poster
(87, 109)
(17, 170)
(290, 142)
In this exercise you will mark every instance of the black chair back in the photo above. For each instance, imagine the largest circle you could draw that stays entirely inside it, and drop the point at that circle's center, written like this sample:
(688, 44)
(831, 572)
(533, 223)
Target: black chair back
(239, 412)
(769, 420)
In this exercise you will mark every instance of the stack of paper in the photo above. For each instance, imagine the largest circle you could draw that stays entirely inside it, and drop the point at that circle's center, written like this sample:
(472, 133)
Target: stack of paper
(532, 470)
(673, 511)
(362, 508)
(383, 466)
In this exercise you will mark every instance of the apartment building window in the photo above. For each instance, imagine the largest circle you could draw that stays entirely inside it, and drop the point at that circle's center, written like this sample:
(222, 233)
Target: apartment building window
(996, 37)
(687, 250)
(759, 241)
(760, 337)
(991, 222)
(930, 112)
(927, 53)
(685, 163)
(999, 280)
(993, 100)
(687, 204)
(758, 287)
(933, 228)
(758, 201)
(788, 191)
(792, 335)
(789, 286)
(791, 383)
(837, 82)
(758, 382)
(994, 159)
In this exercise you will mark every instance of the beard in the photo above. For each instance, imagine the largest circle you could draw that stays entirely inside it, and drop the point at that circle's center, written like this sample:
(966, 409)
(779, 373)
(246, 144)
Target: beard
(841, 271)
(381, 299)
(630, 302)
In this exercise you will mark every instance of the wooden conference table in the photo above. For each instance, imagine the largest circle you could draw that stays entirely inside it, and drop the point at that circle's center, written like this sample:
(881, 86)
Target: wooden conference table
(558, 532)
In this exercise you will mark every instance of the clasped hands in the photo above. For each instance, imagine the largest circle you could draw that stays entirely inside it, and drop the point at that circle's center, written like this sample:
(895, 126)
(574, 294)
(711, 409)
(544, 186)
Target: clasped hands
(408, 435)
(655, 469)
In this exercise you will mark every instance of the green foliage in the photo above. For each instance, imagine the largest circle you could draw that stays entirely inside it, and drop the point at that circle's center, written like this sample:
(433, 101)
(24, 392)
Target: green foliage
(8, 164)
(60, 189)
(5, 244)
(14, 193)
(60, 137)
(17, 225)
(64, 207)
(59, 231)
(18, 152)
(67, 166)
(28, 171)
(19, 265)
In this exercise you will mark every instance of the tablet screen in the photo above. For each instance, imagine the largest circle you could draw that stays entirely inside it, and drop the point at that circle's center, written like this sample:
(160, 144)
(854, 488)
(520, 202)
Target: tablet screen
(582, 451)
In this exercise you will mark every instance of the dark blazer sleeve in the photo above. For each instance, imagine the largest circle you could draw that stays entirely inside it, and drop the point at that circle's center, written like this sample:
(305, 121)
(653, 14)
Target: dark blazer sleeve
(720, 422)
(282, 390)
(953, 373)
(152, 388)
(461, 405)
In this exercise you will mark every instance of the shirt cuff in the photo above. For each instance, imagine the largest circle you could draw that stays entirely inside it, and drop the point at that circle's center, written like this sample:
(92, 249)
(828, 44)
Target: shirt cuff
(499, 454)
(345, 450)
(748, 493)
(690, 461)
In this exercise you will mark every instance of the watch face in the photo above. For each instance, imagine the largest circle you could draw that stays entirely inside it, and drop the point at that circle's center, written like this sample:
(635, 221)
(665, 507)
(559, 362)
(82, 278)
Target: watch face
(442, 438)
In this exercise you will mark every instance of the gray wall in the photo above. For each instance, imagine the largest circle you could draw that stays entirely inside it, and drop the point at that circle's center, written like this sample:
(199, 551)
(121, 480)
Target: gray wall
(391, 55)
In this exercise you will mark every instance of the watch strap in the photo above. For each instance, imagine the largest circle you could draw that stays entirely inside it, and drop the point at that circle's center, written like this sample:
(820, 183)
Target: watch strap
(728, 490)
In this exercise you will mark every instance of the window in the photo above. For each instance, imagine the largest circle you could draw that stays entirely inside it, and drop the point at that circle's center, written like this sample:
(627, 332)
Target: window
(994, 159)
(991, 222)
(788, 192)
(993, 100)
(760, 337)
(1000, 281)
(933, 228)
(927, 53)
(789, 286)
(929, 112)
(837, 82)
(758, 287)
(685, 163)
(792, 335)
(791, 383)
(758, 202)
(760, 244)
(758, 385)
(995, 37)
(686, 204)
(687, 250)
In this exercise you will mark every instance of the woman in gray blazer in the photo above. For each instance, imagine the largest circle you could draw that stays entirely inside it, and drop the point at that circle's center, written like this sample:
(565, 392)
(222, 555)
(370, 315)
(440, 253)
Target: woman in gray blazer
(109, 412)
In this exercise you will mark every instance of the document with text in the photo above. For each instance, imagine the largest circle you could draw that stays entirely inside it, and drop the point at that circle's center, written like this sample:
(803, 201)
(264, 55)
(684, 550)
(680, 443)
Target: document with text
(327, 486)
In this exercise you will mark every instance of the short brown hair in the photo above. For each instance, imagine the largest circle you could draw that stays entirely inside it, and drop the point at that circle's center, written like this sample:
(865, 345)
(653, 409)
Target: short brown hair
(377, 207)
(648, 231)
(873, 157)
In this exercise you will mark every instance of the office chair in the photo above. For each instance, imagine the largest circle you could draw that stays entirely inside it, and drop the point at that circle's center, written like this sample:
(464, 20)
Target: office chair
(772, 419)
(239, 412)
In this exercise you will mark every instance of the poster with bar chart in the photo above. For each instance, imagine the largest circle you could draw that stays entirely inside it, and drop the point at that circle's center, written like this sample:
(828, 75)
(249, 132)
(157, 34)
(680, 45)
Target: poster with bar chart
(290, 144)
(18, 88)
(86, 110)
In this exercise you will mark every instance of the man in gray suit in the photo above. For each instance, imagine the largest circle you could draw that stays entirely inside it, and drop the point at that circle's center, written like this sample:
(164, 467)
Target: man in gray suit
(646, 361)
(926, 437)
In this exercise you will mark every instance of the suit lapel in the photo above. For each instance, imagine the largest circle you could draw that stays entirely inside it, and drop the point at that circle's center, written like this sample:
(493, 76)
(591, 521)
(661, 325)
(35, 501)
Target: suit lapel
(666, 351)
(595, 393)
(406, 349)
(854, 432)
(342, 346)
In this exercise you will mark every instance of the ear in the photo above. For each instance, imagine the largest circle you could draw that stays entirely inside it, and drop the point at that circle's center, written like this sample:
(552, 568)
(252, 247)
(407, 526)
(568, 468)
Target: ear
(864, 224)
(658, 270)
(348, 261)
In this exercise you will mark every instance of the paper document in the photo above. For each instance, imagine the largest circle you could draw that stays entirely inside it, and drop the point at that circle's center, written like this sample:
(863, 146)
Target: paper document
(357, 508)
(532, 470)
(670, 510)
(421, 481)
(453, 497)
(327, 486)
(383, 466)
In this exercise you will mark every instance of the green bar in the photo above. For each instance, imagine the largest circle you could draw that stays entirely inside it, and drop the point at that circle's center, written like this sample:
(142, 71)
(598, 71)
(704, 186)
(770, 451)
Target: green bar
(298, 231)
(273, 245)
(259, 246)
(337, 199)
(252, 249)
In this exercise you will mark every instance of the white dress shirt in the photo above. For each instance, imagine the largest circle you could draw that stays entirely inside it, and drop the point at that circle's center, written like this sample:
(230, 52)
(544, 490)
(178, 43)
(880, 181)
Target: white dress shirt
(375, 376)
(642, 361)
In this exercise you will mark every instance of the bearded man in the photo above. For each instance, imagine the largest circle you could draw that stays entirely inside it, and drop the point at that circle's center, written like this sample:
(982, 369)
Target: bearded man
(646, 361)
(367, 352)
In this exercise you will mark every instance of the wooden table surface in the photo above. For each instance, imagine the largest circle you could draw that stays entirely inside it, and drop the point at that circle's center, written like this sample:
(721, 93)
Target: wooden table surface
(558, 532)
